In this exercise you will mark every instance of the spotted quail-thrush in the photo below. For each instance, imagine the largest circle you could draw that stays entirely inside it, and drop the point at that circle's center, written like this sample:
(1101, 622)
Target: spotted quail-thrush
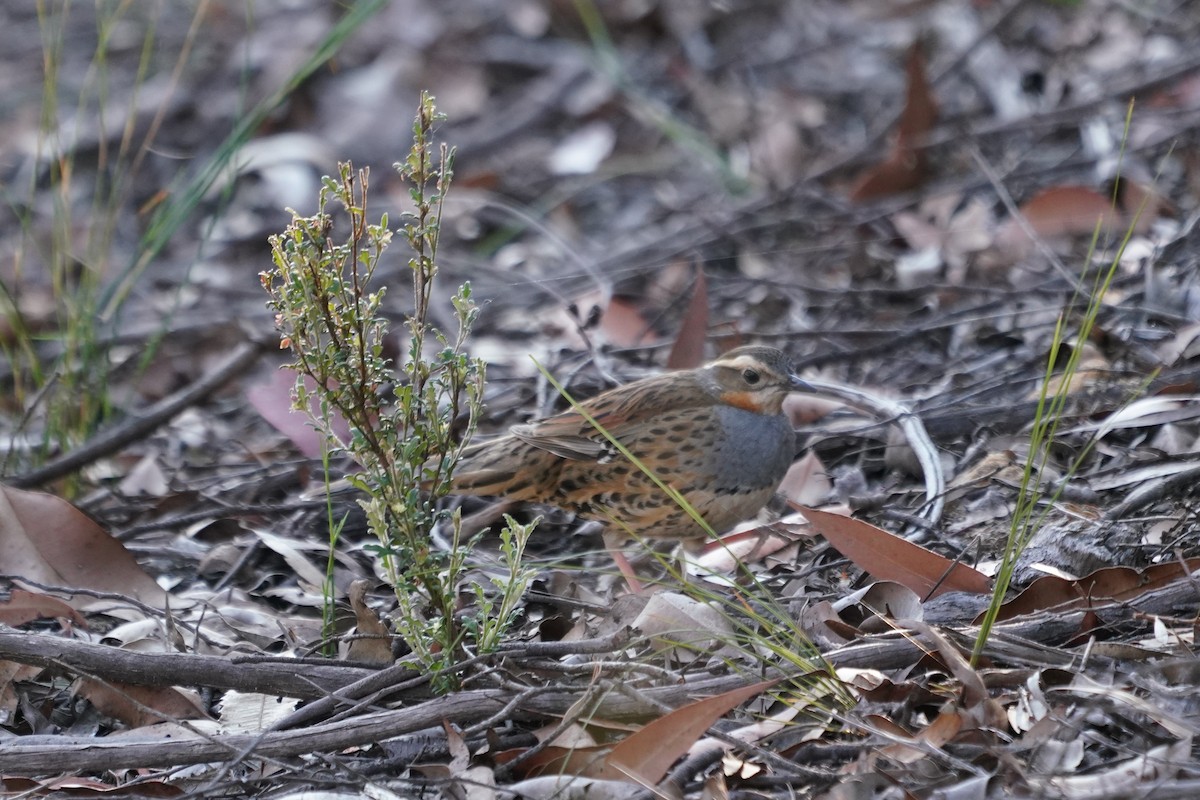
(716, 434)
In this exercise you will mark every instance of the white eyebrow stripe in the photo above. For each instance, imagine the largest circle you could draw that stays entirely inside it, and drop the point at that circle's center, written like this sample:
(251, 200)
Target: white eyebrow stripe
(742, 362)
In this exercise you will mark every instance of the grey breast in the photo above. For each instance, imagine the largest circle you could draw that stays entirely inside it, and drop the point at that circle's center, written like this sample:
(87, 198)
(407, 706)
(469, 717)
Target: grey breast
(752, 451)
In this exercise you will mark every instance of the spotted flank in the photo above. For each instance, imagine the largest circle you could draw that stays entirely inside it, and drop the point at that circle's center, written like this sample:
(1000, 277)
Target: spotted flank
(717, 434)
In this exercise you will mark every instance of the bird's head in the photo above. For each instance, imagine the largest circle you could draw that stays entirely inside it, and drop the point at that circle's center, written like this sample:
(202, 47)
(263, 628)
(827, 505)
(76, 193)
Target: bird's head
(753, 378)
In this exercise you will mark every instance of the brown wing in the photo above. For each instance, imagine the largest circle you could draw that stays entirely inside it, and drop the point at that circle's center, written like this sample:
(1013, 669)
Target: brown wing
(563, 445)
(531, 462)
(624, 412)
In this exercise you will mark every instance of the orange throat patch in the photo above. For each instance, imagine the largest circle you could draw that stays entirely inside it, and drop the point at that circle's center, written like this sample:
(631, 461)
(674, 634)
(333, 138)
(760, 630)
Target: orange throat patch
(747, 401)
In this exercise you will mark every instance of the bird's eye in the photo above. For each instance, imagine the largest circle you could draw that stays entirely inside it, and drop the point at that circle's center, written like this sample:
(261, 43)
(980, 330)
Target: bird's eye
(751, 376)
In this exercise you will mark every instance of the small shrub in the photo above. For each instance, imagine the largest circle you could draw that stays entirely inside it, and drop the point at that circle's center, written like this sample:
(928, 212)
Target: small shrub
(403, 420)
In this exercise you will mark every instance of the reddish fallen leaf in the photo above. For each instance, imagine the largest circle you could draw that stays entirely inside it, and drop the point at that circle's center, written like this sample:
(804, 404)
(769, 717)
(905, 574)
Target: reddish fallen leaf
(904, 168)
(886, 556)
(1182, 94)
(748, 543)
(821, 621)
(806, 481)
(889, 726)
(805, 409)
(12, 673)
(272, 400)
(1054, 213)
(137, 706)
(920, 108)
(1143, 204)
(903, 171)
(373, 643)
(49, 541)
(75, 787)
(1069, 211)
(623, 325)
(555, 760)
(930, 739)
(647, 755)
(688, 350)
(973, 691)
(22, 607)
(1102, 586)
(485, 179)
(570, 751)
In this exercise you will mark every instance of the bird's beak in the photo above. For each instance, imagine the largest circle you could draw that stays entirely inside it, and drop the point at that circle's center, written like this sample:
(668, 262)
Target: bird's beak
(797, 384)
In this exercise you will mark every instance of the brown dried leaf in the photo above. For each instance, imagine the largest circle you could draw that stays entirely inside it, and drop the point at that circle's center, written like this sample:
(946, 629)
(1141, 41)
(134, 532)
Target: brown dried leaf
(1143, 204)
(1069, 210)
(22, 607)
(688, 350)
(272, 399)
(555, 760)
(623, 325)
(889, 557)
(920, 108)
(748, 543)
(806, 481)
(137, 706)
(648, 754)
(47, 540)
(932, 737)
(1055, 212)
(1103, 585)
(805, 409)
(12, 673)
(76, 786)
(375, 646)
(904, 168)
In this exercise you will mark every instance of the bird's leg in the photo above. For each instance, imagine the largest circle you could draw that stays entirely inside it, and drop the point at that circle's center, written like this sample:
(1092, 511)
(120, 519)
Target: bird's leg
(613, 542)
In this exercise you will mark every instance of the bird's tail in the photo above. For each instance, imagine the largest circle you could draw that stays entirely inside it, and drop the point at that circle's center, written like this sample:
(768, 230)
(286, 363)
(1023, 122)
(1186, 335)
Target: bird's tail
(496, 469)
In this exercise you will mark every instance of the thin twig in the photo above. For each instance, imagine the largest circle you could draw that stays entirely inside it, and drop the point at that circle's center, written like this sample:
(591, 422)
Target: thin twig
(134, 428)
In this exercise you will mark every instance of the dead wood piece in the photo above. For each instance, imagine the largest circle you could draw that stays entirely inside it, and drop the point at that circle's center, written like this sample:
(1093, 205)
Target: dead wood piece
(44, 755)
(1075, 546)
(399, 677)
(1154, 492)
(286, 677)
(150, 418)
(1031, 640)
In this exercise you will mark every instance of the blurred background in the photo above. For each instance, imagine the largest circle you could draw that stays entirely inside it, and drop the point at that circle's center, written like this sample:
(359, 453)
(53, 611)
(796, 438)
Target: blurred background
(842, 176)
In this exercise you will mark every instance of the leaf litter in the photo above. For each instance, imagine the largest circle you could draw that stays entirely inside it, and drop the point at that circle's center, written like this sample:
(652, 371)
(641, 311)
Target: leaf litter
(900, 211)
